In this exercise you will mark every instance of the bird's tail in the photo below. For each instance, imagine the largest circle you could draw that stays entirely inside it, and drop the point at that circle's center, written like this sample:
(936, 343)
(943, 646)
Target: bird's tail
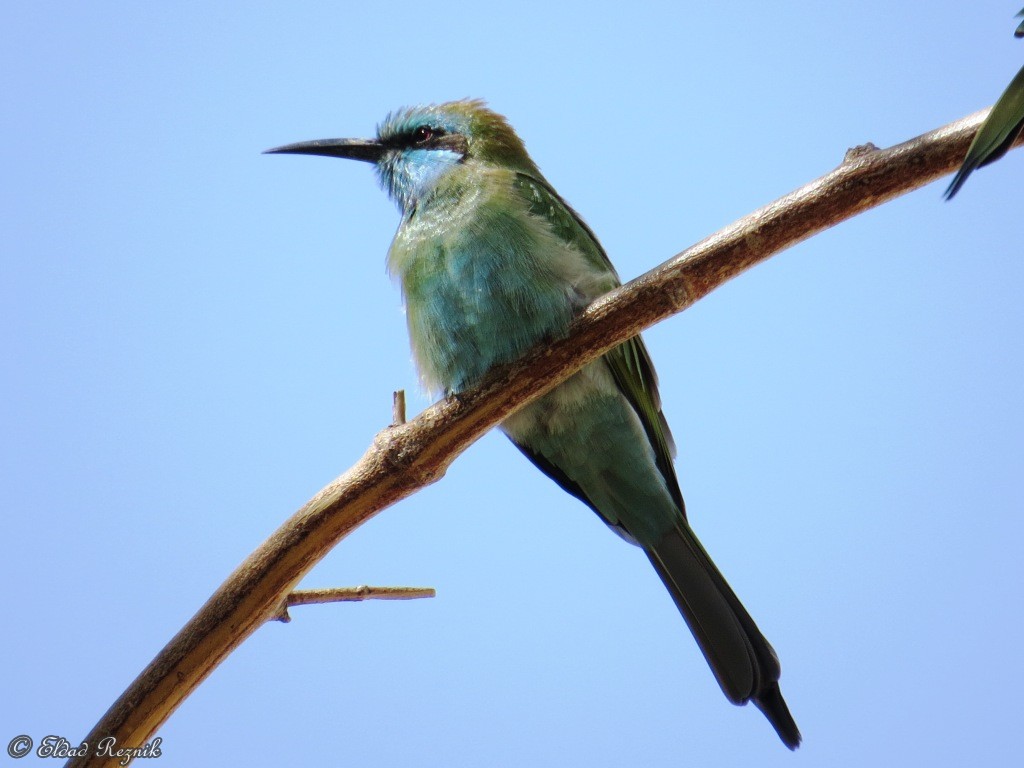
(743, 662)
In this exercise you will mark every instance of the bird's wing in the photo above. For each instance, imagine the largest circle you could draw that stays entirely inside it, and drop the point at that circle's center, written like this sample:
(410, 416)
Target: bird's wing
(629, 362)
(555, 472)
(997, 133)
(634, 373)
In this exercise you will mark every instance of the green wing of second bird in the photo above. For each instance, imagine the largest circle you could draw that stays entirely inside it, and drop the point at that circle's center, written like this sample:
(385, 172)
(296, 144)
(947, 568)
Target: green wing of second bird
(999, 131)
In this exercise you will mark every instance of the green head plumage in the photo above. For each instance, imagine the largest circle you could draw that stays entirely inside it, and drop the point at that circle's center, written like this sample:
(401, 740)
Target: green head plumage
(415, 147)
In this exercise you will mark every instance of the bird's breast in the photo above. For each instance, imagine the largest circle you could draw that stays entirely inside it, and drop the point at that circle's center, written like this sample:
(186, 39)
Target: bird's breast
(483, 282)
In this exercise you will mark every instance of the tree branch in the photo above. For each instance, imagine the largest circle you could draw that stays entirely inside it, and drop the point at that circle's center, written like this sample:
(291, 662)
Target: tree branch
(347, 595)
(407, 456)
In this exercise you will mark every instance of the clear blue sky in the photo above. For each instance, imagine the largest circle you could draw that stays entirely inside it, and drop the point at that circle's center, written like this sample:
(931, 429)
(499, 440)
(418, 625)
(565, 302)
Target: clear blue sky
(195, 338)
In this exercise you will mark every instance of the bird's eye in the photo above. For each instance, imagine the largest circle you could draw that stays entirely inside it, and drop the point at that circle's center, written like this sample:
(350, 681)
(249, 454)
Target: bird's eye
(423, 134)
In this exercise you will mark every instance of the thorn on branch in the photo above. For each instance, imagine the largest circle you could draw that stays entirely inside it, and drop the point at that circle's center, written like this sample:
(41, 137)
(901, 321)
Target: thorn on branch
(348, 595)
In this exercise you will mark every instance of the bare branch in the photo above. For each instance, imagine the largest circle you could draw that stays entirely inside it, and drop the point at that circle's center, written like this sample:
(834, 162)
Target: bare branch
(408, 456)
(347, 595)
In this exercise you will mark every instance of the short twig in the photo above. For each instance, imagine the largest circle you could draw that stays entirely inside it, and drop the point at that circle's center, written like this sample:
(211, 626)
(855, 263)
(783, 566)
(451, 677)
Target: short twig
(349, 594)
(398, 408)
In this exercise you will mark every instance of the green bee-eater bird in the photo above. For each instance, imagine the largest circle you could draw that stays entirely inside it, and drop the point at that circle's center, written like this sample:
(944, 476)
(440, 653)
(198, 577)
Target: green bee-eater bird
(999, 131)
(492, 262)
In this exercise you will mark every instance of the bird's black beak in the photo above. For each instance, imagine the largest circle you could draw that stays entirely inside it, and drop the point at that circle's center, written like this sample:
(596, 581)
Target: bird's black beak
(368, 150)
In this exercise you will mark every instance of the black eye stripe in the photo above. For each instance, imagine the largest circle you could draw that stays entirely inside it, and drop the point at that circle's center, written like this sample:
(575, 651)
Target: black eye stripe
(424, 136)
(427, 136)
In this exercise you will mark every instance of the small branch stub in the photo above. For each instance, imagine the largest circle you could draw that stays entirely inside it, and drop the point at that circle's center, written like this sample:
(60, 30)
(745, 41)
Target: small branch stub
(855, 153)
(349, 595)
(398, 408)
